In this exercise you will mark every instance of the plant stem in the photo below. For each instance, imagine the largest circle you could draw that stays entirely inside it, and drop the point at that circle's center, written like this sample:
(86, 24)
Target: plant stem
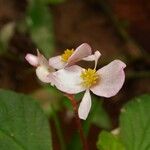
(58, 129)
(78, 121)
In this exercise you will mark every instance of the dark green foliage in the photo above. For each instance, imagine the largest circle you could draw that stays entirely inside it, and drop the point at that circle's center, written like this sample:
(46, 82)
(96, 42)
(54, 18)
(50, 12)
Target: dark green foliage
(23, 125)
(135, 124)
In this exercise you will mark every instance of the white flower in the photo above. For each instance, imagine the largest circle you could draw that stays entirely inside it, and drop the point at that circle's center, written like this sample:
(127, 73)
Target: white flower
(105, 82)
(70, 57)
(43, 69)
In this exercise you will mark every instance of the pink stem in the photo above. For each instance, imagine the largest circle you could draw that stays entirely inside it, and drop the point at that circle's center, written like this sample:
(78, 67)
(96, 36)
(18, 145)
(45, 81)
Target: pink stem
(78, 121)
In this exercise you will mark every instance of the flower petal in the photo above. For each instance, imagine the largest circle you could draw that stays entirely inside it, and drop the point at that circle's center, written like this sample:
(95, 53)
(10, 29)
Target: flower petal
(44, 63)
(56, 62)
(68, 80)
(32, 59)
(42, 60)
(82, 51)
(42, 73)
(112, 78)
(85, 106)
(96, 55)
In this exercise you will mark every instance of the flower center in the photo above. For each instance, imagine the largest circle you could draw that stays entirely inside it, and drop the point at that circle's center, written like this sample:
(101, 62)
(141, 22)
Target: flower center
(67, 53)
(89, 77)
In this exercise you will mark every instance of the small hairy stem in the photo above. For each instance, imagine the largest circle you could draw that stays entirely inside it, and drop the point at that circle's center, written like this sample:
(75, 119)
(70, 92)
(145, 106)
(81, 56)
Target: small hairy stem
(78, 121)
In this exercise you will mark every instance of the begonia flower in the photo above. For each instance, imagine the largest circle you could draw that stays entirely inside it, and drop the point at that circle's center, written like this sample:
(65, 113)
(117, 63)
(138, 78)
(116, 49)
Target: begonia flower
(43, 69)
(71, 56)
(105, 82)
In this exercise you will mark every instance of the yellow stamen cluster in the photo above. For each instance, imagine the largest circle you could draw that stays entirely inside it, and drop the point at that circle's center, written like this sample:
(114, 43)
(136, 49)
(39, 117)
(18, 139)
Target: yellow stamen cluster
(67, 53)
(90, 77)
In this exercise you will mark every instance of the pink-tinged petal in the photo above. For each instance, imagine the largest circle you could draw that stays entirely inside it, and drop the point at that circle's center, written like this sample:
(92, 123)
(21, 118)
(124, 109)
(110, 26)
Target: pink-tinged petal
(42, 73)
(85, 106)
(112, 77)
(96, 55)
(42, 60)
(89, 58)
(56, 62)
(68, 80)
(32, 59)
(82, 51)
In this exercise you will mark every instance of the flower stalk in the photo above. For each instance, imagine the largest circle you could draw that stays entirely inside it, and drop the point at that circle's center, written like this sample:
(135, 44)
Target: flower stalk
(78, 121)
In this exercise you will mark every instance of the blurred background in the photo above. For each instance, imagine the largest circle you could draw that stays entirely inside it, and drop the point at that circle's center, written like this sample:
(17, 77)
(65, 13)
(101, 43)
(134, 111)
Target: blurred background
(119, 29)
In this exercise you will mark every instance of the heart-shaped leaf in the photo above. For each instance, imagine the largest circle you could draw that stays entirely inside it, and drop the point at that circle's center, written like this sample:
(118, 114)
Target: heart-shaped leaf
(23, 125)
(135, 124)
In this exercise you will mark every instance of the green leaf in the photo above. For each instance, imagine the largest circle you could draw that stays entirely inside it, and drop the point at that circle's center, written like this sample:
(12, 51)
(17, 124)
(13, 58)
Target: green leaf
(40, 23)
(23, 125)
(135, 123)
(108, 141)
